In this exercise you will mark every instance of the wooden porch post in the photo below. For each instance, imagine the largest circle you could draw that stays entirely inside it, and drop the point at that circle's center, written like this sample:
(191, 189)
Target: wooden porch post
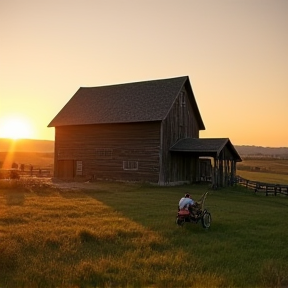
(221, 172)
(226, 176)
(233, 171)
(215, 174)
(218, 183)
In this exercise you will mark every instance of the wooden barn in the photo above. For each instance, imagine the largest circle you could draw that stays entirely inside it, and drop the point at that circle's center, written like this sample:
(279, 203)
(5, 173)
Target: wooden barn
(144, 131)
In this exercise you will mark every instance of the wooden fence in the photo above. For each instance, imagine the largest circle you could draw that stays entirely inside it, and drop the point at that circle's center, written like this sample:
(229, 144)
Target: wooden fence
(267, 188)
(16, 174)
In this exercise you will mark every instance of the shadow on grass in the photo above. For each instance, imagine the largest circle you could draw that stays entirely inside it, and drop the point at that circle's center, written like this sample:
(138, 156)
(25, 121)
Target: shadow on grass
(151, 206)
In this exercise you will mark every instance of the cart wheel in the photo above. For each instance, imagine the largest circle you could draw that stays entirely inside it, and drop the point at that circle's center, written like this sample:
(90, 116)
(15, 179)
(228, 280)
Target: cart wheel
(206, 220)
(179, 221)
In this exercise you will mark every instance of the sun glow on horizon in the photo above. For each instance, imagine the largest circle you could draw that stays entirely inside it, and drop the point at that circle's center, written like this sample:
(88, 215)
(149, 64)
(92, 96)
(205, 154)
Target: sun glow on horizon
(16, 127)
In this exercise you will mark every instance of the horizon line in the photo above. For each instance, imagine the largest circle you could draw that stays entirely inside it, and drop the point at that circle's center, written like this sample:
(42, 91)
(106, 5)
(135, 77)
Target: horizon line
(36, 139)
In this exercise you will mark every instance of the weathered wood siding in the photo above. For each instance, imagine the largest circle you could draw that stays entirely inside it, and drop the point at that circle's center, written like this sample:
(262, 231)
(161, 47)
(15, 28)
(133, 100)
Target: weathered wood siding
(179, 123)
(128, 152)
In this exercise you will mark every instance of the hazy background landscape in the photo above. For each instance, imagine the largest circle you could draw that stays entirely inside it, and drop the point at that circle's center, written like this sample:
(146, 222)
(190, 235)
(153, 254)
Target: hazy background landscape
(30, 145)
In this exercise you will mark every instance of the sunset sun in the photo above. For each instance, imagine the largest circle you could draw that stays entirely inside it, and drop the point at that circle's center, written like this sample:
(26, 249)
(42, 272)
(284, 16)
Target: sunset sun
(15, 128)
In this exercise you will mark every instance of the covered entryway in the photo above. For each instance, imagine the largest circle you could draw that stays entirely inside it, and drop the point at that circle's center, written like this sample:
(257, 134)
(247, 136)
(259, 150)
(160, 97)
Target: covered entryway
(222, 153)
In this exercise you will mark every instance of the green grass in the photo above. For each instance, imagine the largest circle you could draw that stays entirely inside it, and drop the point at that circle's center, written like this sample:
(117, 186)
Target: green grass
(279, 166)
(264, 177)
(270, 170)
(124, 235)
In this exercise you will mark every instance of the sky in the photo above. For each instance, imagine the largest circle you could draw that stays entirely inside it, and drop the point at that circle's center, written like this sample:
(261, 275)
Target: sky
(235, 53)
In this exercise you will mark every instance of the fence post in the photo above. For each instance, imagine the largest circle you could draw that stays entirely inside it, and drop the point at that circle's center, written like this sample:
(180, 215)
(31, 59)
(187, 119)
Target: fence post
(257, 187)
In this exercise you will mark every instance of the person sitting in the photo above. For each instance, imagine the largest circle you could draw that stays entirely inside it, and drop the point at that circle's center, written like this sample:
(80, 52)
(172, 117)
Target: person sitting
(186, 202)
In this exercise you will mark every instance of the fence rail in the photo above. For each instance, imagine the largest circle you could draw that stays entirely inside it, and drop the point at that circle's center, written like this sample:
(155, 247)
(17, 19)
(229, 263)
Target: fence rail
(267, 188)
(15, 173)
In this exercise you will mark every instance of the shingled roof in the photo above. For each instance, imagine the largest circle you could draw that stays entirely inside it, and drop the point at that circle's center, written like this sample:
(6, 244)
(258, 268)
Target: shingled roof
(205, 147)
(123, 103)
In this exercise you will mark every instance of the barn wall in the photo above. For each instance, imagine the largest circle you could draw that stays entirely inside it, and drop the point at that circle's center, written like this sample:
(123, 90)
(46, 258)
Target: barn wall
(128, 152)
(179, 123)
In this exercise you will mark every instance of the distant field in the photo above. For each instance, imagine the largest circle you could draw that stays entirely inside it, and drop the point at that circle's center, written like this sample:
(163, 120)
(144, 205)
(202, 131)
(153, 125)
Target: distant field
(264, 177)
(268, 170)
(37, 159)
(119, 235)
(267, 165)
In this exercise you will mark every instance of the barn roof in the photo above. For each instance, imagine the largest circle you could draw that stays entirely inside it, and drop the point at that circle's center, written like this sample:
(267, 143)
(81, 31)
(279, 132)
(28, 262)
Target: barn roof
(123, 103)
(205, 147)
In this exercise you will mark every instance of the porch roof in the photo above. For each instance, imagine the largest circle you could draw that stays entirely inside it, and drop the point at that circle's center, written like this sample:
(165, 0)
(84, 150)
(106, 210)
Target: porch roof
(210, 147)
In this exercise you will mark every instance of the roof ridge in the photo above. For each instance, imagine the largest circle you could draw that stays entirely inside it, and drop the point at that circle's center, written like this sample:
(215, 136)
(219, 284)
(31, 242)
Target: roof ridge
(135, 82)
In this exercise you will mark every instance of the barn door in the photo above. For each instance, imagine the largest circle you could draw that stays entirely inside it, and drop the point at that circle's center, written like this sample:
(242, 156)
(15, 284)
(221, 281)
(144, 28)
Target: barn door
(65, 169)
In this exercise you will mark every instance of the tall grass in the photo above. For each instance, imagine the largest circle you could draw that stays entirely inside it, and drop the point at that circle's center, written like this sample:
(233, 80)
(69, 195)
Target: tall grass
(266, 170)
(264, 177)
(124, 235)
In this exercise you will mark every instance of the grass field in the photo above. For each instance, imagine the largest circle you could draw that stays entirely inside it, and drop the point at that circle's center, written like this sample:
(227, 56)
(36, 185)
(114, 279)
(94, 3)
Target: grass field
(124, 235)
(268, 165)
(264, 177)
(266, 170)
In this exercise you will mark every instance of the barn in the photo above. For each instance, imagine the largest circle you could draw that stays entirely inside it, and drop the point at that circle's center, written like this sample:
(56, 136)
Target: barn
(144, 131)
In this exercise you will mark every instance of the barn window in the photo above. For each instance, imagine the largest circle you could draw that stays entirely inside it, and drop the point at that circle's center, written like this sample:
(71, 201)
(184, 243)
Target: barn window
(104, 153)
(130, 165)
